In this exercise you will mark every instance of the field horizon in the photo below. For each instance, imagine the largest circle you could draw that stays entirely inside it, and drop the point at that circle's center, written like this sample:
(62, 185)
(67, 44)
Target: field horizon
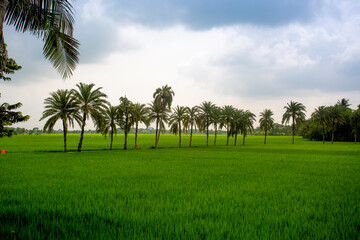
(303, 191)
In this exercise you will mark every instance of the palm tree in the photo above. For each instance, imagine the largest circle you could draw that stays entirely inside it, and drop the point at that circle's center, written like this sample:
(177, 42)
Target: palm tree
(266, 121)
(343, 102)
(320, 117)
(163, 98)
(205, 110)
(60, 105)
(50, 20)
(216, 119)
(140, 114)
(192, 116)
(227, 114)
(236, 124)
(335, 118)
(296, 112)
(126, 119)
(355, 121)
(247, 123)
(160, 116)
(91, 102)
(175, 120)
(111, 115)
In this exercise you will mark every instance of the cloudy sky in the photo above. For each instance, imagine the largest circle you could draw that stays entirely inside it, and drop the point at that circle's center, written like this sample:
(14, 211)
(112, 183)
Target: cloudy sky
(252, 54)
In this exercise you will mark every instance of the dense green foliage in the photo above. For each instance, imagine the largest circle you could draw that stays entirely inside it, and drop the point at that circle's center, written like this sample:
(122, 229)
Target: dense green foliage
(278, 190)
(8, 117)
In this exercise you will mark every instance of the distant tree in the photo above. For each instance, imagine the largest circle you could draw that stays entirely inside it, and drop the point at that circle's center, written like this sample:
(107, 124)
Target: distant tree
(61, 105)
(8, 117)
(227, 114)
(126, 119)
(205, 110)
(191, 119)
(296, 112)
(140, 114)
(320, 117)
(335, 118)
(216, 120)
(343, 102)
(50, 20)
(247, 123)
(355, 121)
(111, 115)
(175, 120)
(266, 121)
(163, 98)
(91, 102)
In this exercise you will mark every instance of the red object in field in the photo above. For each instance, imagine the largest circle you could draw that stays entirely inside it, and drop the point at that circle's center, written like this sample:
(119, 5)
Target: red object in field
(3, 151)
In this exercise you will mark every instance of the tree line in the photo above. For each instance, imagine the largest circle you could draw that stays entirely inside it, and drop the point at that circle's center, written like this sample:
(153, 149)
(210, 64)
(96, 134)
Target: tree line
(87, 102)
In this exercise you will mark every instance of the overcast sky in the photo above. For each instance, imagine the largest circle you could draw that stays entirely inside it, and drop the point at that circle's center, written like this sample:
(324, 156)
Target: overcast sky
(252, 54)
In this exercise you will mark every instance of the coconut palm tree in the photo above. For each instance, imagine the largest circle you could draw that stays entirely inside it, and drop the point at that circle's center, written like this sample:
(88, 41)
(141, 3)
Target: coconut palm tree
(160, 116)
(343, 102)
(227, 114)
(296, 112)
(111, 115)
(126, 119)
(236, 124)
(163, 98)
(355, 121)
(61, 105)
(91, 103)
(247, 123)
(50, 20)
(320, 116)
(266, 121)
(216, 120)
(205, 110)
(175, 120)
(335, 118)
(192, 116)
(140, 114)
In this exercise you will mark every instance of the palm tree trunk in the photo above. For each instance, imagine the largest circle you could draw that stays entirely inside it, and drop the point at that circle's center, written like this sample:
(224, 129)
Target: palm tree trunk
(332, 137)
(293, 130)
(179, 134)
(227, 135)
(265, 135)
(244, 140)
(126, 134)
(215, 135)
(355, 136)
(207, 134)
(157, 140)
(3, 7)
(82, 133)
(235, 139)
(136, 134)
(111, 137)
(156, 130)
(191, 130)
(65, 132)
(323, 134)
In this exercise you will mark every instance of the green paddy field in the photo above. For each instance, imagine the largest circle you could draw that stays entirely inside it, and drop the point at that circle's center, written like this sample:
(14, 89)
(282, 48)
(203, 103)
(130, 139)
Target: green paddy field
(274, 191)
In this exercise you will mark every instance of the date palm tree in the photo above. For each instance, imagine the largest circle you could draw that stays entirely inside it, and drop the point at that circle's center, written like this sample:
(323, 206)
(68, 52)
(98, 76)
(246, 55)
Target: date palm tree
(296, 112)
(236, 124)
(50, 20)
(111, 115)
(192, 116)
(160, 117)
(91, 103)
(205, 110)
(216, 120)
(126, 119)
(320, 116)
(247, 123)
(227, 114)
(266, 121)
(140, 114)
(355, 121)
(61, 105)
(335, 118)
(163, 98)
(175, 120)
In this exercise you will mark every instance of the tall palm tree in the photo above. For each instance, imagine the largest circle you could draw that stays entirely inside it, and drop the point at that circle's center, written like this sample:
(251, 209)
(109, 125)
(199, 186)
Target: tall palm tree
(320, 116)
(216, 120)
(111, 115)
(163, 98)
(175, 120)
(266, 121)
(236, 124)
(335, 118)
(126, 119)
(227, 114)
(296, 112)
(355, 121)
(160, 116)
(205, 110)
(247, 123)
(140, 114)
(91, 103)
(192, 116)
(50, 20)
(61, 105)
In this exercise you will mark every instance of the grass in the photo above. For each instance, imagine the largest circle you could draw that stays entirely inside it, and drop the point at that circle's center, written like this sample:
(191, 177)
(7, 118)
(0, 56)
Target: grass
(279, 191)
